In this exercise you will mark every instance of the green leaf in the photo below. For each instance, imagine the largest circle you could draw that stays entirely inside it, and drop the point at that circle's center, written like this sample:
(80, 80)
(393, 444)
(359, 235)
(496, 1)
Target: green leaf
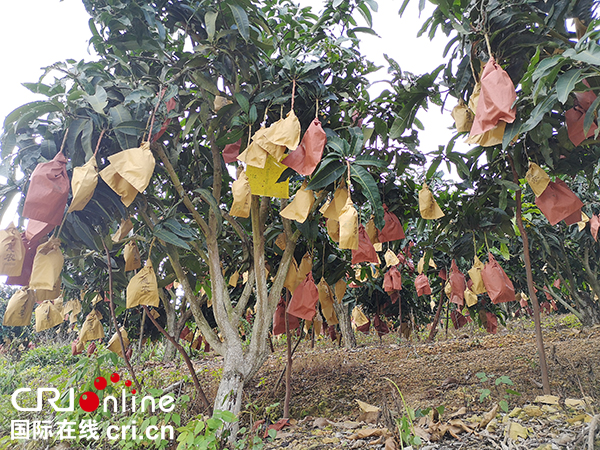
(242, 101)
(367, 160)
(241, 20)
(366, 30)
(170, 237)
(210, 19)
(98, 101)
(566, 82)
(485, 393)
(590, 115)
(590, 56)
(326, 175)
(371, 191)
(506, 255)
(29, 111)
(503, 405)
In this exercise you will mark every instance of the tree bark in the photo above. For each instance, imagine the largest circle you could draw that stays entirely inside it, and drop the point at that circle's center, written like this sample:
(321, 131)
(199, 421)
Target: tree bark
(343, 314)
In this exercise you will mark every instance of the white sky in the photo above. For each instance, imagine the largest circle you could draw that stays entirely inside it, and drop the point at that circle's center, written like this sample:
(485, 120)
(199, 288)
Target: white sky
(38, 33)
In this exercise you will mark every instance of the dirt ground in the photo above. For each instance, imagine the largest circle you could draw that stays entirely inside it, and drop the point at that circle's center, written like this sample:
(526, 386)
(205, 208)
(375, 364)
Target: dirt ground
(327, 381)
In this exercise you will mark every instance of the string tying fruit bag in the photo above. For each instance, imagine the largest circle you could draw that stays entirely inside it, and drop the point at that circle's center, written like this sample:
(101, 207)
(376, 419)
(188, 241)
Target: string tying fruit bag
(304, 300)
(497, 284)
(48, 191)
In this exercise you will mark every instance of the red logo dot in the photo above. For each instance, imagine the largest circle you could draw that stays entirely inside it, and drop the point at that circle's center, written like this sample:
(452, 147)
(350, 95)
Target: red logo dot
(133, 391)
(128, 383)
(89, 401)
(100, 383)
(115, 378)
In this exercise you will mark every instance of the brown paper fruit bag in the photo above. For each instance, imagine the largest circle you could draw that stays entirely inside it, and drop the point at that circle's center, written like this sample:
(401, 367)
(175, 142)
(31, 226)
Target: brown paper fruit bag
(538, 179)
(495, 100)
(489, 138)
(143, 288)
(307, 156)
(92, 328)
(326, 301)
(390, 258)
(463, 117)
(48, 191)
(393, 230)
(114, 345)
(19, 309)
(498, 285)
(242, 196)
(594, 226)
(276, 151)
(340, 196)
(340, 290)
(131, 253)
(359, 318)
(44, 294)
(12, 252)
(305, 267)
(47, 316)
(575, 117)
(47, 265)
(279, 319)
(135, 165)
(300, 207)
(349, 226)
(558, 202)
(232, 151)
(470, 297)
(83, 184)
(37, 230)
(422, 285)
(333, 229)
(305, 298)
(372, 231)
(233, 280)
(365, 252)
(120, 185)
(254, 155)
(125, 227)
(291, 279)
(428, 207)
(285, 131)
(392, 280)
(281, 241)
(457, 285)
(475, 274)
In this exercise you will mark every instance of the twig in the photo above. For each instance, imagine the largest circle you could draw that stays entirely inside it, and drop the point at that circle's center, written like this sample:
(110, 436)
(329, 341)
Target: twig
(188, 362)
(592, 434)
(114, 317)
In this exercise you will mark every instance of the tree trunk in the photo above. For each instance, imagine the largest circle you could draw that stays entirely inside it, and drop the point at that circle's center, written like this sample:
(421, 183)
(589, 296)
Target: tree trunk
(343, 315)
(590, 314)
(170, 350)
(229, 397)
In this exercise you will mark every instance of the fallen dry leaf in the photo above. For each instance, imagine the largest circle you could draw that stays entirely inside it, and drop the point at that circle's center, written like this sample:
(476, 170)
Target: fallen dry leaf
(369, 413)
(390, 444)
(369, 432)
(488, 416)
(516, 431)
(547, 399)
